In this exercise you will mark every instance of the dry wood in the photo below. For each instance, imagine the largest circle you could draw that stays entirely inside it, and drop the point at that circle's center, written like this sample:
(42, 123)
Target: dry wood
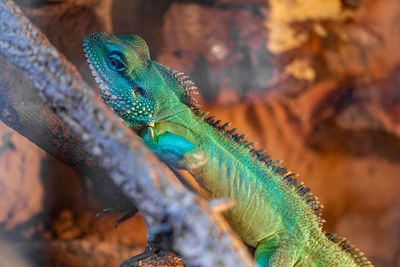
(44, 98)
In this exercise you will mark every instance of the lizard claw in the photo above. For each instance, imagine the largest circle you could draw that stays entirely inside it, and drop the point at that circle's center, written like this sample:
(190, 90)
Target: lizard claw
(110, 210)
(130, 212)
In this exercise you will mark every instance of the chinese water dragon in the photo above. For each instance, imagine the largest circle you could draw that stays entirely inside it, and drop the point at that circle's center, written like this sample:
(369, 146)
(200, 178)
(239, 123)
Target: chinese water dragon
(274, 212)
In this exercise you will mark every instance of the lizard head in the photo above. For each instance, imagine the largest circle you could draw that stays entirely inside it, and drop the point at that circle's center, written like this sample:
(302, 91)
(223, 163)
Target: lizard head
(120, 67)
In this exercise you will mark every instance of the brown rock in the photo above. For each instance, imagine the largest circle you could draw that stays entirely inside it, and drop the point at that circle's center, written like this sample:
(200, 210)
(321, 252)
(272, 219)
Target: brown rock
(21, 188)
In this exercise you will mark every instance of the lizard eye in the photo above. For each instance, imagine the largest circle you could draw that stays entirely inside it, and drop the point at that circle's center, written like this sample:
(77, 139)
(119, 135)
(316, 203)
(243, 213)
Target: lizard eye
(116, 63)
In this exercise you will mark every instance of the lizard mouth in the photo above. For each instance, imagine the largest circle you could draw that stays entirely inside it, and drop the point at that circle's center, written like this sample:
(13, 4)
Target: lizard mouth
(101, 83)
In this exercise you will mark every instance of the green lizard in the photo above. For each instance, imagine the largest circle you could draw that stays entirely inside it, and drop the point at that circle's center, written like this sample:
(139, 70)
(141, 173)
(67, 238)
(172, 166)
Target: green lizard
(274, 212)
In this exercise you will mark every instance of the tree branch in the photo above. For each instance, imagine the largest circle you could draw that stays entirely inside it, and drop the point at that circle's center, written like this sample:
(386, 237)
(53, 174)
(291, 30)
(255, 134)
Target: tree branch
(44, 98)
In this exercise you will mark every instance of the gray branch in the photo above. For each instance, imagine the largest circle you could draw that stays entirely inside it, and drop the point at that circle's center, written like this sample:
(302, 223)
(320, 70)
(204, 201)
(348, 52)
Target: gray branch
(44, 98)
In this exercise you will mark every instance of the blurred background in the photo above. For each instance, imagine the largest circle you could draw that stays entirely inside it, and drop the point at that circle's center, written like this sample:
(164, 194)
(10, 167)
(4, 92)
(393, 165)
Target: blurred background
(315, 83)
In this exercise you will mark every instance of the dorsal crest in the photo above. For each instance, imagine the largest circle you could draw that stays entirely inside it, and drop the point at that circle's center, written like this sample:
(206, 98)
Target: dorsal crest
(190, 92)
(346, 246)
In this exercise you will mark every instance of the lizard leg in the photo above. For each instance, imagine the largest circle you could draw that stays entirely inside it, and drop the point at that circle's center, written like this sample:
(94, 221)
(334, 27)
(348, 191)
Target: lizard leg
(274, 252)
(177, 151)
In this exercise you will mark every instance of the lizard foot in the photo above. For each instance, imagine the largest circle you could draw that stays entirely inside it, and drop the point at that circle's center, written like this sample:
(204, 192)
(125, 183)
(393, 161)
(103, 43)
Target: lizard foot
(158, 251)
(150, 258)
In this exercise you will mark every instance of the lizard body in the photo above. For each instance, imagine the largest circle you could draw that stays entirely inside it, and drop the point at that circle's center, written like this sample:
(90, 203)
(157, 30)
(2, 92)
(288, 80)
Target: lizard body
(274, 212)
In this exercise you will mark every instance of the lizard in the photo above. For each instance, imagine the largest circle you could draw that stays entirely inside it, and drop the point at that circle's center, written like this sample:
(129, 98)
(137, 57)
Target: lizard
(273, 212)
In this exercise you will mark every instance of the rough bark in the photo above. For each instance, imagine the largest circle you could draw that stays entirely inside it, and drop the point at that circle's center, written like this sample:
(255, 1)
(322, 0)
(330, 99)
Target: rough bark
(44, 98)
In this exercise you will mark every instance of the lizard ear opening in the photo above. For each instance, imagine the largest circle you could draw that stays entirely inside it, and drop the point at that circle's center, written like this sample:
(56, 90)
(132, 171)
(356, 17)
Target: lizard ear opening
(138, 45)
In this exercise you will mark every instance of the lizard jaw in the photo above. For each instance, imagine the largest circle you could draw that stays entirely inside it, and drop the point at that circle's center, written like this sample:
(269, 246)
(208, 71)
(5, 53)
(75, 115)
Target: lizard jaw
(103, 86)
